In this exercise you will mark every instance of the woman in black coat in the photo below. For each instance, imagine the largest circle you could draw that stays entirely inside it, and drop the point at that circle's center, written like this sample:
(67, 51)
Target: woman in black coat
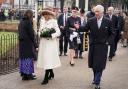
(27, 46)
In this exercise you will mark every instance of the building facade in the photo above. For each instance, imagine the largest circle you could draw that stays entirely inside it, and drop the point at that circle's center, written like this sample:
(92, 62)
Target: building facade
(24, 4)
(117, 4)
(6, 3)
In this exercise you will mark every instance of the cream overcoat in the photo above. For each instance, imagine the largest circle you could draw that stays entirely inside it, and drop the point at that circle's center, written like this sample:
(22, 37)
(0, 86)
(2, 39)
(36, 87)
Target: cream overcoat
(48, 55)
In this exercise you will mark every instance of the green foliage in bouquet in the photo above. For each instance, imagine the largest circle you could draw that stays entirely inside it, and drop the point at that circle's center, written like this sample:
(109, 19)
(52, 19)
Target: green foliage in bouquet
(46, 32)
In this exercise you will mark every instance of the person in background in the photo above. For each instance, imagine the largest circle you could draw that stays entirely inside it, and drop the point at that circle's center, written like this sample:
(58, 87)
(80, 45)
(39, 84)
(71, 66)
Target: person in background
(119, 15)
(27, 46)
(91, 13)
(79, 50)
(72, 33)
(63, 39)
(125, 30)
(114, 19)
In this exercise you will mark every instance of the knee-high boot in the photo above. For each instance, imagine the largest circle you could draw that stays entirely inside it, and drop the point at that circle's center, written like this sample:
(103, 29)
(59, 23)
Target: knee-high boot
(45, 81)
(51, 75)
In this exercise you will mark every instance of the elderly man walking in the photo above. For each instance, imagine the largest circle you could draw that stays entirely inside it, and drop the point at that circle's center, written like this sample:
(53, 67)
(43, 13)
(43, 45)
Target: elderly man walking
(101, 34)
(114, 20)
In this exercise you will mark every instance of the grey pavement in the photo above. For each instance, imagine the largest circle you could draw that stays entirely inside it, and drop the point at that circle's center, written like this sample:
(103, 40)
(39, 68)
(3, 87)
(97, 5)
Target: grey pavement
(78, 77)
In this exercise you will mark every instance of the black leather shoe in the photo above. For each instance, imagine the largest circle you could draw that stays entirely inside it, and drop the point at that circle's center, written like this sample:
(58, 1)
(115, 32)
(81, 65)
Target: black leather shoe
(110, 58)
(31, 77)
(25, 78)
(75, 57)
(97, 87)
(60, 55)
(80, 57)
(44, 82)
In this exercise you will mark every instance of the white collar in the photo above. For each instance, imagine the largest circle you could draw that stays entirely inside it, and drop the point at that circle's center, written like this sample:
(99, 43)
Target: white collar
(100, 19)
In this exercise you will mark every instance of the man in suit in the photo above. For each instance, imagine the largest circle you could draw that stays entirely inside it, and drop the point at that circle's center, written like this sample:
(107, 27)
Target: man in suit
(91, 13)
(63, 37)
(114, 20)
(120, 26)
(101, 34)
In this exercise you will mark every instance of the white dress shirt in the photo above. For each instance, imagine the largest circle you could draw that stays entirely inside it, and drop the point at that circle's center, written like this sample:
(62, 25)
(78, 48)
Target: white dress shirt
(99, 21)
(64, 18)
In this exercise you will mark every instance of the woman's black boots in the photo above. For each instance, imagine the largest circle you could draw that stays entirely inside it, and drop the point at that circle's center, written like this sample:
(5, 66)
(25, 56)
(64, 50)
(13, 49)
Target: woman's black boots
(48, 76)
(45, 81)
(51, 74)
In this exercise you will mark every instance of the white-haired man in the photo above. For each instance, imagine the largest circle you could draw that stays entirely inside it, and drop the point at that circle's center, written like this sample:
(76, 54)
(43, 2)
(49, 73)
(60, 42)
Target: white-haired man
(114, 20)
(101, 34)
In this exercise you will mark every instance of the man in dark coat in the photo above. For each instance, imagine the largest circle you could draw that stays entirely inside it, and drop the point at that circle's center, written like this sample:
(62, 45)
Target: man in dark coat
(91, 13)
(101, 34)
(63, 40)
(114, 20)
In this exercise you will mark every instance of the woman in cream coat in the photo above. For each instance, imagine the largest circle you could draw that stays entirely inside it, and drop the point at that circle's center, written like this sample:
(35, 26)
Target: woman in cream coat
(48, 56)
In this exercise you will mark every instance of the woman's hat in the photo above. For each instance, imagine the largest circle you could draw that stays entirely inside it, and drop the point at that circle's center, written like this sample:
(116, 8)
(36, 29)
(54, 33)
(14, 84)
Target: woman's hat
(48, 11)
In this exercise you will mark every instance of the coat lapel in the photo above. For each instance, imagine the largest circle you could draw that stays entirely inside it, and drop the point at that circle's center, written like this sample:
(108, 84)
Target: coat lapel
(102, 24)
(95, 23)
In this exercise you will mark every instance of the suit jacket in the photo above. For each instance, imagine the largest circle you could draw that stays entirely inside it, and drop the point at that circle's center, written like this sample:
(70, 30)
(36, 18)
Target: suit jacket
(61, 20)
(114, 21)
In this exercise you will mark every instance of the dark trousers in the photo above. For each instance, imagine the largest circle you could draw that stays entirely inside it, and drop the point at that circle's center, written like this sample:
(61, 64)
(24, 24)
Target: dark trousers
(79, 50)
(112, 50)
(113, 46)
(63, 42)
(97, 77)
(117, 38)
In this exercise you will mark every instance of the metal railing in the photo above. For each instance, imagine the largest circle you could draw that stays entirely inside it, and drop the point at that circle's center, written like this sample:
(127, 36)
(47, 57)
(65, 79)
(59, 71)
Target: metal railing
(8, 52)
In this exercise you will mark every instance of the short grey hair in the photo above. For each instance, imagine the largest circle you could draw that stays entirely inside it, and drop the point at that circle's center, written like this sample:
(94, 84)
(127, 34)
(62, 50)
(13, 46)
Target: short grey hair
(99, 8)
(111, 8)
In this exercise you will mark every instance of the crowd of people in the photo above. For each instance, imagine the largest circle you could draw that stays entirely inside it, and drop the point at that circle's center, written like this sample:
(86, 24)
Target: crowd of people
(102, 30)
(10, 14)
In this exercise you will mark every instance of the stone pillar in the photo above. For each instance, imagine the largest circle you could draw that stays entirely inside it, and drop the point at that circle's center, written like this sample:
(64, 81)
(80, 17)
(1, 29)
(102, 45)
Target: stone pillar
(86, 5)
(77, 3)
(68, 3)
